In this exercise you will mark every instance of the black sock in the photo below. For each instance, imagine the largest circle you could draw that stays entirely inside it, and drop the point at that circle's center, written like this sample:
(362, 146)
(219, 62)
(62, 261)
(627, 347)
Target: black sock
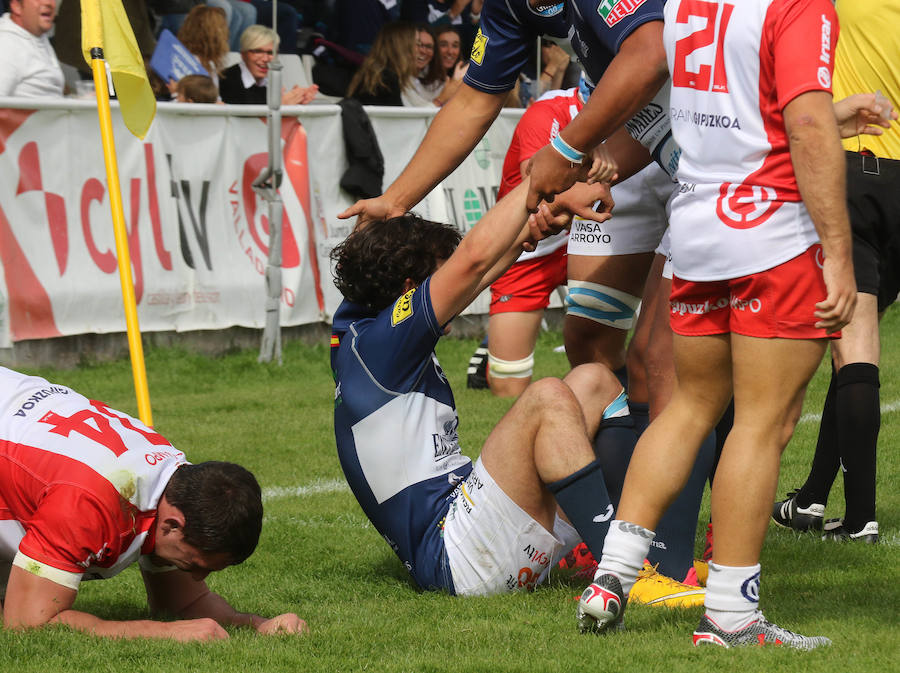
(827, 458)
(640, 412)
(582, 496)
(613, 446)
(622, 374)
(673, 546)
(858, 422)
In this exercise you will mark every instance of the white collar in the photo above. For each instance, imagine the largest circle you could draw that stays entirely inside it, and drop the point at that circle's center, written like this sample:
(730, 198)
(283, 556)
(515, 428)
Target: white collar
(247, 79)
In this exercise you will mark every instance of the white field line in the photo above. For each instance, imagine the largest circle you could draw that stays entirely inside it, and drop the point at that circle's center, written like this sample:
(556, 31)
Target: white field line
(886, 408)
(315, 488)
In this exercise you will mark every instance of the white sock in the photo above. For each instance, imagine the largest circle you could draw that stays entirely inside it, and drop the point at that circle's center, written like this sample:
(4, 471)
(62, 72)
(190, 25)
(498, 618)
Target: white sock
(624, 550)
(732, 595)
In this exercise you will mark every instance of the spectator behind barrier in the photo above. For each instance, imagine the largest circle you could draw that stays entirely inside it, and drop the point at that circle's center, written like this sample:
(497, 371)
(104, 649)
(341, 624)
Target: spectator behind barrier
(30, 68)
(205, 34)
(388, 69)
(246, 82)
(196, 89)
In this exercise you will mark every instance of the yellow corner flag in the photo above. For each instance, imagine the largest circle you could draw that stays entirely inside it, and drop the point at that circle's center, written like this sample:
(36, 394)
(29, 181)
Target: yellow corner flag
(105, 25)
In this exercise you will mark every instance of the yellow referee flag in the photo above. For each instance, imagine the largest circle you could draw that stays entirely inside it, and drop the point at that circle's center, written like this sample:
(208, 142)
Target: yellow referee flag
(105, 25)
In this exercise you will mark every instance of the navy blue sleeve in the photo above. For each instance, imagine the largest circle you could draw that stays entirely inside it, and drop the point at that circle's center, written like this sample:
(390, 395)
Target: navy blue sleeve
(611, 21)
(500, 49)
(398, 343)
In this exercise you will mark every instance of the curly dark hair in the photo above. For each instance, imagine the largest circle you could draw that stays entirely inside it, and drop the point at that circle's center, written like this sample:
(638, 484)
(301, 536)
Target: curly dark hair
(222, 507)
(373, 263)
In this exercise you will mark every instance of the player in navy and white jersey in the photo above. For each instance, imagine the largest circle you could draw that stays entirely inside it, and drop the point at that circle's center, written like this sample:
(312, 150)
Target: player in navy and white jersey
(85, 491)
(466, 529)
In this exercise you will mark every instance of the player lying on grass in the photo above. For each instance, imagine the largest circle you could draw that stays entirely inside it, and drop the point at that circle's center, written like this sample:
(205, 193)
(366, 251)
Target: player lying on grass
(85, 491)
(466, 529)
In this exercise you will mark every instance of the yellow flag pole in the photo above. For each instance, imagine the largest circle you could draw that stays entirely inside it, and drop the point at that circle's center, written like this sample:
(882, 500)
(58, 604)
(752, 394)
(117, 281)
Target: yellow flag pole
(135, 347)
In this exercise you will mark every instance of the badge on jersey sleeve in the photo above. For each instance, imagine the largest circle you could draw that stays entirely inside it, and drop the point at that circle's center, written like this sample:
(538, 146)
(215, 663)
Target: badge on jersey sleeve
(614, 11)
(479, 46)
(402, 309)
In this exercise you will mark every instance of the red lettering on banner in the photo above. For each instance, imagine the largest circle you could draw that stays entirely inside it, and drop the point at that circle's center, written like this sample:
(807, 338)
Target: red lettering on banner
(30, 310)
(290, 251)
(134, 241)
(30, 180)
(93, 190)
(10, 120)
(164, 256)
(296, 163)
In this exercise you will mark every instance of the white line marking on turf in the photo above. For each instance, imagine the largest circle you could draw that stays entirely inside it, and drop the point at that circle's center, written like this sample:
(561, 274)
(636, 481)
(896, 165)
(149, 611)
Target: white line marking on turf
(885, 409)
(315, 488)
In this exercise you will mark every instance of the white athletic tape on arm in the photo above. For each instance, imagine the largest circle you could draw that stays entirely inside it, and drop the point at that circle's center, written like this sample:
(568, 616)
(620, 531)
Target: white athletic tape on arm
(510, 369)
(602, 304)
(63, 577)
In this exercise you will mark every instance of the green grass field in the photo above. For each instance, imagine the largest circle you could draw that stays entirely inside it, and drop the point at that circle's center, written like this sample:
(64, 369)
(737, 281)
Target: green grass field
(319, 557)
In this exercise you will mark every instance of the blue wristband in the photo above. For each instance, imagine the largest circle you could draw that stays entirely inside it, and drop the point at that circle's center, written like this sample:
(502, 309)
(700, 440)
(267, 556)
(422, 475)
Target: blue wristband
(568, 152)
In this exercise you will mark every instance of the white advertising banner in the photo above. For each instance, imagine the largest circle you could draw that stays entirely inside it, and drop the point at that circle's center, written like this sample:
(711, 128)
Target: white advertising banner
(198, 233)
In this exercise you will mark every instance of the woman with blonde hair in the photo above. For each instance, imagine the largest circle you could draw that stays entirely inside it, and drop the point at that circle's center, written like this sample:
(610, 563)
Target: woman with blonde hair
(205, 34)
(246, 82)
(389, 68)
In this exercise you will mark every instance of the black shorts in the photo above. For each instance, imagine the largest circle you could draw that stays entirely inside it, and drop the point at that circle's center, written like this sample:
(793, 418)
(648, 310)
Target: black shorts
(873, 200)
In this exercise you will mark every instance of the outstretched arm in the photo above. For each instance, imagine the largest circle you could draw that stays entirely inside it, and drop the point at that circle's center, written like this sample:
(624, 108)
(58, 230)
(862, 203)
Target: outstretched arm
(177, 593)
(455, 130)
(33, 601)
(495, 243)
(633, 77)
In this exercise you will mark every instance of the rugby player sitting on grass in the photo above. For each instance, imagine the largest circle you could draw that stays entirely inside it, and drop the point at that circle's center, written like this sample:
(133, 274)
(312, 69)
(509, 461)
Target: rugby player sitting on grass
(466, 529)
(85, 491)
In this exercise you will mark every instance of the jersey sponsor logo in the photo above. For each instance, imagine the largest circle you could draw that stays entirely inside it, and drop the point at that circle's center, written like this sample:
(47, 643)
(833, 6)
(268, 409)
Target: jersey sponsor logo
(824, 76)
(754, 304)
(712, 121)
(41, 394)
(645, 119)
(550, 10)
(479, 46)
(825, 54)
(402, 309)
(746, 206)
(682, 308)
(613, 11)
(446, 443)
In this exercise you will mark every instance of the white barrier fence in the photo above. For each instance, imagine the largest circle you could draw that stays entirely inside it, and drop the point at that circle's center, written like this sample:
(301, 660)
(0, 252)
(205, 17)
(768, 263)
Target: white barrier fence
(198, 233)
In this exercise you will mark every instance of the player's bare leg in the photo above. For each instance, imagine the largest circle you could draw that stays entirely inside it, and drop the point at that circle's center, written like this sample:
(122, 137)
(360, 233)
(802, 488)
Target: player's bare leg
(659, 357)
(543, 438)
(591, 341)
(666, 452)
(770, 378)
(511, 339)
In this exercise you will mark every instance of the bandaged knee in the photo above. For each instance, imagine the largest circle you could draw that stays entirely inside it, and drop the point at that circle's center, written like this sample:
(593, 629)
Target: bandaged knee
(602, 304)
(510, 369)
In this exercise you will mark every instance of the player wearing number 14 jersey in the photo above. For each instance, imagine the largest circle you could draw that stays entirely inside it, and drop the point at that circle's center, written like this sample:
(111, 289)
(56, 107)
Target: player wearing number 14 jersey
(753, 295)
(85, 491)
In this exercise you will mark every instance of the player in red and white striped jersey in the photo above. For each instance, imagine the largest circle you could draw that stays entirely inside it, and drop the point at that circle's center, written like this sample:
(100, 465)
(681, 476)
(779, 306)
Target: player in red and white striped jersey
(85, 491)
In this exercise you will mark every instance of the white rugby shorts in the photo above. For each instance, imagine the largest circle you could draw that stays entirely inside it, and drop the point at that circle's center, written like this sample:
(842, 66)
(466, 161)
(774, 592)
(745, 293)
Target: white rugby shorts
(493, 546)
(638, 218)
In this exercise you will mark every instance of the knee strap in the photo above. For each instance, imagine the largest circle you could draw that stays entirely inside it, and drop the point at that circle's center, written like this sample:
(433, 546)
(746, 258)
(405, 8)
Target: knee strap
(510, 369)
(602, 304)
